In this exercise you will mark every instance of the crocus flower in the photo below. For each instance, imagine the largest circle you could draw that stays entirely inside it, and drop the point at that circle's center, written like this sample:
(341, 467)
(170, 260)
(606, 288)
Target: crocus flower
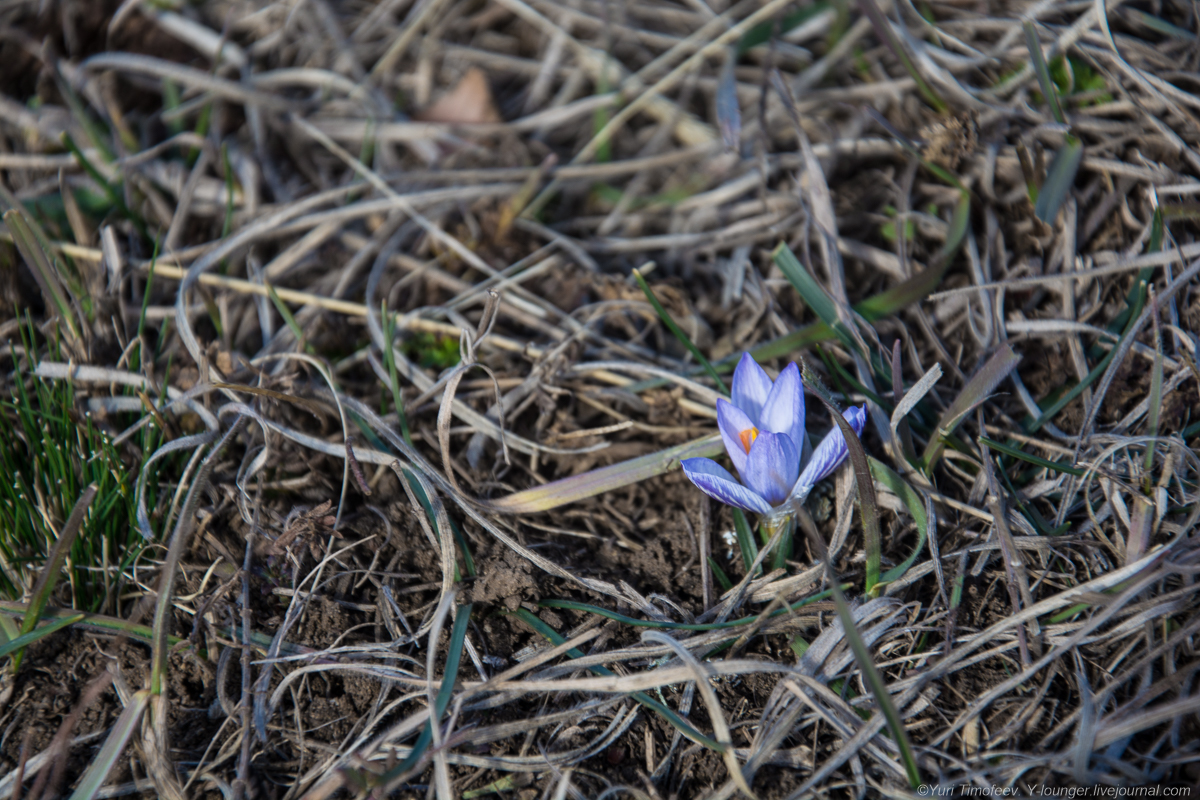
(763, 432)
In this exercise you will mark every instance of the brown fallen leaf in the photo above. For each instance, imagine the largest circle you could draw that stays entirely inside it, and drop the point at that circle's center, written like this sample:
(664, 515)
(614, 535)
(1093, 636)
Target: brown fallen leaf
(469, 102)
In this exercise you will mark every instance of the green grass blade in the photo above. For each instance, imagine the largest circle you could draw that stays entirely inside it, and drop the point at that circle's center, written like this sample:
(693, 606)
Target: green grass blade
(1030, 512)
(683, 338)
(227, 225)
(916, 508)
(1009, 450)
(785, 526)
(837, 372)
(124, 728)
(1059, 179)
(114, 193)
(49, 576)
(458, 636)
(1062, 402)
(1157, 232)
(288, 318)
(1033, 178)
(1042, 71)
(1061, 175)
(868, 507)
(870, 672)
(138, 355)
(1099, 369)
(883, 30)
(720, 575)
(812, 293)
(745, 538)
(509, 783)
(873, 308)
(875, 681)
(959, 582)
(1158, 25)
(26, 639)
(1156, 390)
(957, 232)
(573, 605)
(389, 358)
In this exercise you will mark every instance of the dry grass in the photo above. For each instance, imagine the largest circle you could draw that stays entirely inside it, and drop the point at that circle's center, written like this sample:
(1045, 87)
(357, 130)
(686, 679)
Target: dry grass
(492, 171)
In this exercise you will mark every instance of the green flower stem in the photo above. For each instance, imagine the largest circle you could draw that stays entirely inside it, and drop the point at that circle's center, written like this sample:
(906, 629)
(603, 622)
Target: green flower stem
(782, 519)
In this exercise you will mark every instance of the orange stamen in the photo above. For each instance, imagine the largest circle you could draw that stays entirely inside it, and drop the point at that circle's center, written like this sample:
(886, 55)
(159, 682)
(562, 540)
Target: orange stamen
(748, 436)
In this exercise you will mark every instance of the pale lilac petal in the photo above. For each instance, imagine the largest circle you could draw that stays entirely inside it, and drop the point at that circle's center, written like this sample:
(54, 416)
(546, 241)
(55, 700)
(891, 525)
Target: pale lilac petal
(783, 411)
(772, 466)
(731, 420)
(716, 482)
(831, 452)
(750, 388)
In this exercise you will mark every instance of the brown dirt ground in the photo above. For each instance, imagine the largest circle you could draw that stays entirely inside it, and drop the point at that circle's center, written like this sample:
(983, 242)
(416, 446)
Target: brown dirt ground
(637, 535)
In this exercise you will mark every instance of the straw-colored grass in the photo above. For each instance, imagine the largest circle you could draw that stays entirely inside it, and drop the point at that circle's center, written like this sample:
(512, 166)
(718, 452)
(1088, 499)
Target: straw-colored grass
(391, 430)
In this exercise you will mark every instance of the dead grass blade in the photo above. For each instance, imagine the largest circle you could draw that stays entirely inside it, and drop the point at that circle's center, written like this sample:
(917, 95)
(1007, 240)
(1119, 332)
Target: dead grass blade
(43, 264)
(604, 479)
(715, 713)
(324, 239)
(729, 113)
(645, 700)
(1014, 567)
(1117, 355)
(981, 384)
(901, 438)
(122, 731)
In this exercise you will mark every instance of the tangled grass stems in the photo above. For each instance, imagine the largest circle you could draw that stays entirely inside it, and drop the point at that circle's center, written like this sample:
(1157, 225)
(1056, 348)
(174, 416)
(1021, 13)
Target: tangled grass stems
(317, 248)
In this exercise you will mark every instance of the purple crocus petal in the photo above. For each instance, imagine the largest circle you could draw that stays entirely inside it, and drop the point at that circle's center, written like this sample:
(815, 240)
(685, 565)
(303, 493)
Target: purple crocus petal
(783, 411)
(731, 420)
(716, 482)
(772, 466)
(751, 385)
(831, 452)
